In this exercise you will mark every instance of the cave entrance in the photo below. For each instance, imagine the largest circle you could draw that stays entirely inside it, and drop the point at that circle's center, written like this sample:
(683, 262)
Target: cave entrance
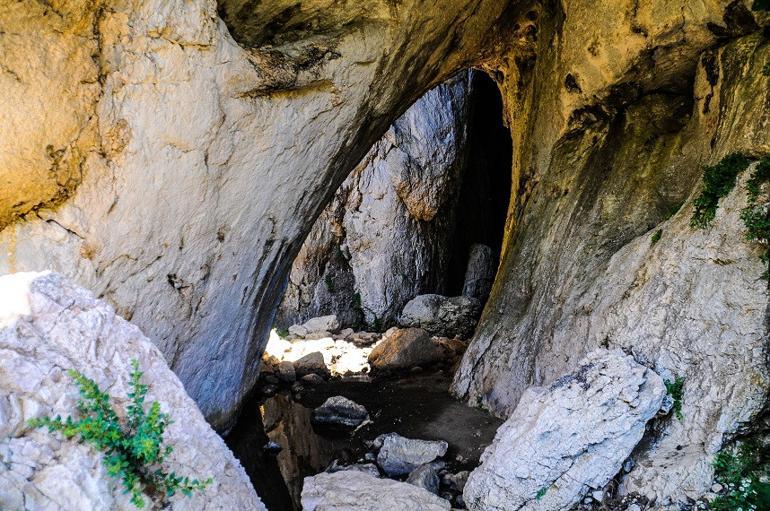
(423, 213)
(421, 217)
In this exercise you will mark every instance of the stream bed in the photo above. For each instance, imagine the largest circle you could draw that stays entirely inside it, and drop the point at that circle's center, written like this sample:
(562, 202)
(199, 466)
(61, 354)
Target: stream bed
(414, 406)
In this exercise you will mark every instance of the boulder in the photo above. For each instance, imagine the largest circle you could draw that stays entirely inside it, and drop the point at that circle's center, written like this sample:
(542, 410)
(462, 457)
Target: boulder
(565, 440)
(311, 363)
(286, 372)
(367, 468)
(322, 324)
(353, 490)
(400, 456)
(441, 315)
(338, 411)
(425, 477)
(298, 331)
(480, 273)
(47, 326)
(404, 348)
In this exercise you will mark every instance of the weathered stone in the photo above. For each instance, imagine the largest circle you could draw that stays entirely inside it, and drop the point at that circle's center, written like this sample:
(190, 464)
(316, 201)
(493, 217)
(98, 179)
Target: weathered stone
(366, 468)
(286, 371)
(341, 412)
(312, 379)
(441, 315)
(298, 331)
(399, 455)
(311, 363)
(565, 440)
(348, 490)
(456, 481)
(47, 326)
(425, 477)
(480, 272)
(322, 324)
(404, 348)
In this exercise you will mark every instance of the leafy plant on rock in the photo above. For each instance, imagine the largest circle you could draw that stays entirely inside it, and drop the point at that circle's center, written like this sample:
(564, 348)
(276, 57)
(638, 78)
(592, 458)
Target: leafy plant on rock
(718, 181)
(756, 215)
(744, 473)
(675, 389)
(133, 449)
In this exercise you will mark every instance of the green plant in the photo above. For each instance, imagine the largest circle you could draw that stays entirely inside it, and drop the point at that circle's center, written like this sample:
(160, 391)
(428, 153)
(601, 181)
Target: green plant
(718, 181)
(133, 449)
(541, 493)
(756, 215)
(656, 237)
(744, 473)
(675, 389)
(357, 301)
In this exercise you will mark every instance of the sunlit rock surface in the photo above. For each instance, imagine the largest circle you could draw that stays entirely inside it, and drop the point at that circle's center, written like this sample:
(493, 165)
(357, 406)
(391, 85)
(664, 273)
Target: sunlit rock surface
(54, 326)
(356, 490)
(567, 439)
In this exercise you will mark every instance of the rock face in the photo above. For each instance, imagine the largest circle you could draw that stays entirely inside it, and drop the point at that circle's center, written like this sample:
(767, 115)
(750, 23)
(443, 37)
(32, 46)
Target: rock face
(564, 441)
(385, 237)
(582, 271)
(480, 273)
(441, 315)
(402, 348)
(348, 490)
(47, 326)
(399, 455)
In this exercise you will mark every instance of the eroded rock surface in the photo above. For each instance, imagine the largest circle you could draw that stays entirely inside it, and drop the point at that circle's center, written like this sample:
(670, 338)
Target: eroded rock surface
(442, 315)
(47, 326)
(565, 440)
(348, 490)
(399, 455)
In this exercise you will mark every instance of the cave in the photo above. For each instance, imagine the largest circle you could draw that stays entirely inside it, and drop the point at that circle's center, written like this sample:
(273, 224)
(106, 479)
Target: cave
(407, 219)
(166, 167)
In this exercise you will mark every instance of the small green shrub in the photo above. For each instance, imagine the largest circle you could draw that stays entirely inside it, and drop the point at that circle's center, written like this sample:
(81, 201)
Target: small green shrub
(718, 181)
(656, 237)
(744, 474)
(133, 450)
(283, 333)
(756, 215)
(541, 493)
(675, 389)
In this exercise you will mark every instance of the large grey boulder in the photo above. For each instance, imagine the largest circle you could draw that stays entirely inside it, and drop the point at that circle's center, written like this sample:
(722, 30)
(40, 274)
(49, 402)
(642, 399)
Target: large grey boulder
(48, 326)
(564, 440)
(402, 348)
(442, 315)
(399, 455)
(351, 490)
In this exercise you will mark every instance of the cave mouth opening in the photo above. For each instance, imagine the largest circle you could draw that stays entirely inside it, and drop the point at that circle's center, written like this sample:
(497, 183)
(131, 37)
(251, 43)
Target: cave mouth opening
(423, 213)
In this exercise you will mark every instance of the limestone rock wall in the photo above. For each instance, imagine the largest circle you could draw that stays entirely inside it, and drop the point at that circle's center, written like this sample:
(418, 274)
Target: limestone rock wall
(386, 236)
(581, 267)
(48, 326)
